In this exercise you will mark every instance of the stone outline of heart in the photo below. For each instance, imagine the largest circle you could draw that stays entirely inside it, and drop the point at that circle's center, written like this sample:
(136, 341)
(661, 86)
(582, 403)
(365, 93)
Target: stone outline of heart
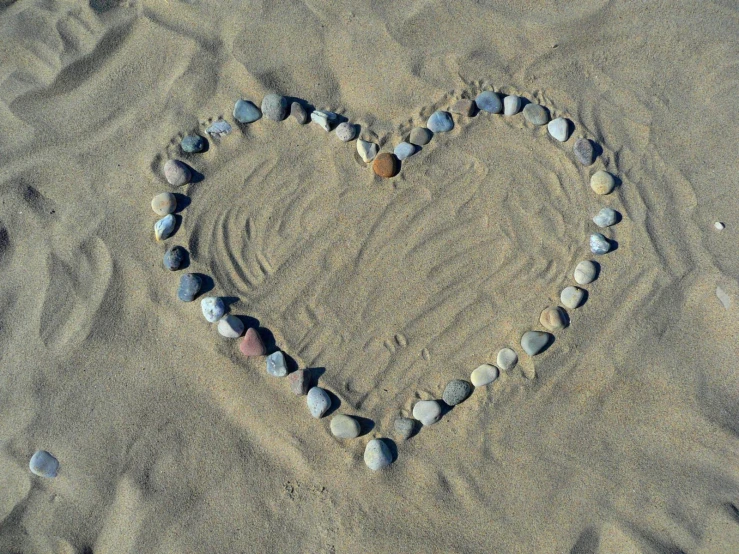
(379, 443)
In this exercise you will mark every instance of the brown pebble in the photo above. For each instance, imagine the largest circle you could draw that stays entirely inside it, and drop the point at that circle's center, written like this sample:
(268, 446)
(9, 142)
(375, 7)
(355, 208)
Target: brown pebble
(386, 165)
(299, 381)
(298, 112)
(553, 318)
(464, 107)
(252, 344)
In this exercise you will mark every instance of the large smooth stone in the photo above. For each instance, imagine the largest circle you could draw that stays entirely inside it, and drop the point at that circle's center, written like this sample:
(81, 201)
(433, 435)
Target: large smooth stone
(318, 402)
(535, 342)
(230, 327)
(213, 308)
(274, 107)
(324, 119)
(572, 297)
(299, 382)
(177, 173)
(599, 244)
(420, 136)
(507, 359)
(536, 114)
(246, 112)
(553, 318)
(193, 144)
(559, 129)
(602, 182)
(43, 464)
(440, 122)
(464, 107)
(404, 150)
(367, 150)
(484, 375)
(298, 112)
(457, 391)
(584, 151)
(219, 129)
(345, 427)
(377, 455)
(606, 217)
(252, 344)
(386, 165)
(427, 412)
(189, 288)
(174, 258)
(164, 228)
(405, 427)
(585, 272)
(489, 101)
(164, 203)
(346, 131)
(511, 105)
(276, 364)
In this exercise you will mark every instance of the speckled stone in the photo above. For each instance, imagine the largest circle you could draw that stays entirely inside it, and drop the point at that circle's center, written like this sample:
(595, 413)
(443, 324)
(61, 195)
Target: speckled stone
(193, 144)
(427, 412)
(274, 107)
(404, 150)
(276, 364)
(298, 112)
(440, 122)
(299, 382)
(536, 114)
(230, 327)
(599, 244)
(164, 203)
(345, 427)
(405, 427)
(318, 402)
(553, 318)
(367, 150)
(346, 131)
(535, 342)
(377, 455)
(177, 173)
(189, 288)
(484, 375)
(585, 272)
(213, 308)
(559, 129)
(252, 344)
(246, 112)
(464, 107)
(174, 258)
(457, 391)
(420, 136)
(507, 359)
(386, 165)
(511, 105)
(606, 217)
(602, 182)
(572, 297)
(164, 228)
(489, 101)
(219, 129)
(43, 464)
(584, 151)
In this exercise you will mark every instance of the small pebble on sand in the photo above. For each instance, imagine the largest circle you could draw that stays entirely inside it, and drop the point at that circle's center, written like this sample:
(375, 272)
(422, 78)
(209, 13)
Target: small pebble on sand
(213, 308)
(464, 107)
(719, 226)
(219, 129)
(427, 412)
(602, 182)
(484, 375)
(420, 136)
(231, 327)
(177, 173)
(377, 455)
(553, 318)
(164, 228)
(535, 342)
(324, 119)
(559, 129)
(189, 288)
(246, 112)
(298, 112)
(345, 427)
(299, 382)
(405, 427)
(174, 258)
(457, 391)
(507, 359)
(193, 144)
(404, 150)
(386, 165)
(599, 244)
(44, 464)
(318, 402)
(252, 344)
(274, 107)
(585, 272)
(164, 203)
(606, 217)
(584, 151)
(346, 131)
(367, 150)
(440, 122)
(489, 101)
(276, 364)
(572, 297)
(511, 105)
(536, 114)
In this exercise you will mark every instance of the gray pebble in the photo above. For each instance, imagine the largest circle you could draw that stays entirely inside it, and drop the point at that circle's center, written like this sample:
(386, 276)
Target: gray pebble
(213, 308)
(489, 101)
(536, 114)
(318, 402)
(585, 272)
(43, 464)
(298, 112)
(276, 365)
(230, 327)
(367, 150)
(606, 217)
(274, 107)
(484, 375)
(404, 150)
(192, 144)
(377, 455)
(599, 244)
(457, 391)
(584, 152)
(174, 258)
(219, 129)
(405, 427)
(323, 119)
(164, 203)
(427, 412)
(345, 427)
(299, 382)
(190, 284)
(246, 112)
(420, 136)
(346, 131)
(572, 297)
(177, 173)
(535, 342)
(164, 228)
(507, 359)
(559, 129)
(440, 122)
(511, 105)
(464, 107)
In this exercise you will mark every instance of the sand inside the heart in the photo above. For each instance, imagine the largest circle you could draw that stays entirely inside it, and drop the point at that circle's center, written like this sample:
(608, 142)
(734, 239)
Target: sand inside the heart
(621, 438)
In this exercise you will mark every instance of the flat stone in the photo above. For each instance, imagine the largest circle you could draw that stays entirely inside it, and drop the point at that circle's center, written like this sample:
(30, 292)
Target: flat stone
(427, 412)
(252, 344)
(298, 112)
(554, 318)
(219, 129)
(602, 182)
(367, 150)
(536, 114)
(246, 112)
(507, 359)
(606, 217)
(346, 131)
(174, 258)
(464, 107)
(323, 119)
(585, 272)
(386, 165)
(584, 151)
(559, 129)
(164, 228)
(318, 402)
(484, 375)
(44, 464)
(177, 173)
(193, 144)
(299, 382)
(535, 342)
(489, 101)
(511, 105)
(599, 244)
(189, 288)
(377, 455)
(405, 427)
(164, 203)
(213, 308)
(457, 391)
(404, 150)
(345, 427)
(440, 122)
(274, 107)
(276, 364)
(230, 327)
(572, 297)
(420, 136)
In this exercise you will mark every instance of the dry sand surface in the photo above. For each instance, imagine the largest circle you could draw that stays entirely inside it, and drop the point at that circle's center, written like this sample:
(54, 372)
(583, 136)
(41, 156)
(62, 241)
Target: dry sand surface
(621, 438)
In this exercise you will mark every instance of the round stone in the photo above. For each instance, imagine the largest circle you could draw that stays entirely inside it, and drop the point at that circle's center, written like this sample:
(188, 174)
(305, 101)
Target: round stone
(367, 150)
(192, 144)
(559, 129)
(346, 131)
(377, 455)
(484, 375)
(246, 112)
(457, 391)
(507, 359)
(164, 228)
(174, 258)
(345, 427)
(405, 427)
(535, 342)
(299, 382)
(213, 308)
(274, 107)
(572, 297)
(318, 402)
(386, 165)
(464, 107)
(553, 318)
(276, 364)
(584, 151)
(252, 344)
(427, 412)
(536, 114)
(440, 122)
(164, 203)
(606, 217)
(489, 101)
(177, 173)
(602, 182)
(190, 284)
(511, 105)
(230, 327)
(43, 464)
(719, 226)
(585, 272)
(404, 150)
(298, 112)
(599, 244)
(420, 136)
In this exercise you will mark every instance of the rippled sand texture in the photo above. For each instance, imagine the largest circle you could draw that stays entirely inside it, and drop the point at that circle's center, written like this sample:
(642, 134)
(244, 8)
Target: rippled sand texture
(622, 437)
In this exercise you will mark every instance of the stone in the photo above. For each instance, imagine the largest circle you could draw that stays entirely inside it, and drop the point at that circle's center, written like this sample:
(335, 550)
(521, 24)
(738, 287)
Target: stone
(318, 402)
(213, 308)
(599, 244)
(44, 464)
(440, 122)
(606, 217)
(345, 427)
(189, 288)
(164, 228)
(719, 226)
(299, 382)
(559, 129)
(177, 173)
(584, 151)
(535, 342)
(346, 131)
(511, 105)
(457, 391)
(464, 107)
(420, 136)
(585, 272)
(174, 258)
(323, 119)
(572, 297)
(489, 101)
(193, 144)
(252, 344)
(230, 327)
(246, 112)
(507, 359)
(536, 114)
(553, 318)
(602, 182)
(427, 412)
(219, 129)
(405, 427)
(274, 107)
(386, 165)
(276, 364)
(164, 203)
(484, 375)
(298, 112)
(367, 150)
(377, 455)
(404, 150)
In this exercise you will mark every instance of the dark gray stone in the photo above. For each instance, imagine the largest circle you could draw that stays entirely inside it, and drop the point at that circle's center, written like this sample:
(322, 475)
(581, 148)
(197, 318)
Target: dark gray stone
(192, 144)
(189, 287)
(457, 391)
(174, 258)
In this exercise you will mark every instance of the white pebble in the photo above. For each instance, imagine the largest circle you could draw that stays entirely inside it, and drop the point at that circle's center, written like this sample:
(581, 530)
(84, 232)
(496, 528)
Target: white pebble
(511, 105)
(572, 297)
(43, 464)
(345, 427)
(559, 129)
(230, 327)
(585, 272)
(323, 119)
(318, 402)
(599, 244)
(276, 365)
(164, 228)
(484, 375)
(427, 412)
(367, 150)
(377, 455)
(719, 226)
(507, 359)
(213, 308)
(606, 217)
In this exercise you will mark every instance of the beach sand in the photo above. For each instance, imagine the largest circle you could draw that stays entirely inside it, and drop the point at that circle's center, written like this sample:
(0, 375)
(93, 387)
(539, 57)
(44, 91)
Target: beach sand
(621, 437)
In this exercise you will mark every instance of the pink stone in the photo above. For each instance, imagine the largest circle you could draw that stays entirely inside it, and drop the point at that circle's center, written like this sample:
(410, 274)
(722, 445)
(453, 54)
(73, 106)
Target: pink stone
(252, 344)
(299, 382)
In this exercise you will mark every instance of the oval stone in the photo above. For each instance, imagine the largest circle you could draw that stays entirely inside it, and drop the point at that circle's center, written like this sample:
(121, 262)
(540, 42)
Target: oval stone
(405, 427)
(345, 427)
(585, 272)
(43, 464)
(427, 412)
(420, 136)
(599, 244)
(377, 455)
(511, 105)
(193, 144)
(164, 228)
(536, 114)
(440, 122)
(318, 402)
(553, 318)
(507, 359)
(274, 107)
(276, 364)
(367, 150)
(177, 173)
(174, 258)
(584, 151)
(323, 119)
(457, 391)
(489, 101)
(164, 203)
(484, 375)
(246, 112)
(535, 342)
(386, 165)
(606, 217)
(559, 129)
(572, 297)
(190, 284)
(346, 131)
(299, 382)
(213, 308)
(230, 327)
(602, 182)
(404, 150)
(298, 112)
(252, 344)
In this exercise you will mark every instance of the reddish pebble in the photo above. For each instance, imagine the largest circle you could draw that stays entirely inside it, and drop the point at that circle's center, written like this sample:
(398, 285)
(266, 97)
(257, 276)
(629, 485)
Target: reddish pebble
(464, 107)
(386, 165)
(252, 344)
(300, 382)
